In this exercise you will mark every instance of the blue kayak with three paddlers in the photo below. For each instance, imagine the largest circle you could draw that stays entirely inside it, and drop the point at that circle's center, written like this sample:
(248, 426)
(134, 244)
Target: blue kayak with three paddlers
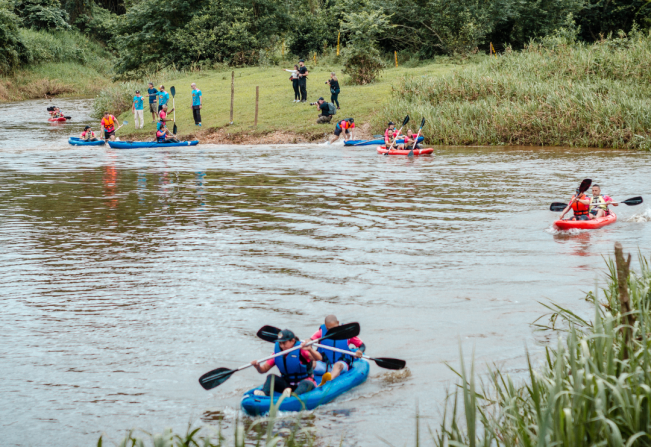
(375, 142)
(81, 142)
(259, 405)
(141, 144)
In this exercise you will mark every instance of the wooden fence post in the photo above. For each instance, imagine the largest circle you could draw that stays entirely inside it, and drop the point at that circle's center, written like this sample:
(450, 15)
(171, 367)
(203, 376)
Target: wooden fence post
(257, 95)
(232, 93)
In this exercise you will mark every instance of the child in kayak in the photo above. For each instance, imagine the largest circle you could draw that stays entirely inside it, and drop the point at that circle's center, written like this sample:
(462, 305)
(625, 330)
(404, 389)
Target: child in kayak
(88, 134)
(296, 368)
(335, 363)
(580, 205)
(599, 204)
(57, 113)
(163, 135)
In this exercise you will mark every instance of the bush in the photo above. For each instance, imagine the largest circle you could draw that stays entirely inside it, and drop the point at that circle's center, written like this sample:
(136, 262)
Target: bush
(116, 99)
(361, 56)
(99, 23)
(42, 14)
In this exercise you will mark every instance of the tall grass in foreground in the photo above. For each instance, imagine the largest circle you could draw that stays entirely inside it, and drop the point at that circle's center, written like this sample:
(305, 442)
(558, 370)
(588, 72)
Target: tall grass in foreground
(554, 92)
(594, 389)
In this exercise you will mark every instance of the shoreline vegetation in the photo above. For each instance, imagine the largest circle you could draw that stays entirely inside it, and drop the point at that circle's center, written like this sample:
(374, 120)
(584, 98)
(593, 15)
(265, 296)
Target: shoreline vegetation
(594, 388)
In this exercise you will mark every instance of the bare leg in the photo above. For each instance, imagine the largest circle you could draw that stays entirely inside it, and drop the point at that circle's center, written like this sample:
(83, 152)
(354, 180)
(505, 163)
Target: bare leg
(336, 370)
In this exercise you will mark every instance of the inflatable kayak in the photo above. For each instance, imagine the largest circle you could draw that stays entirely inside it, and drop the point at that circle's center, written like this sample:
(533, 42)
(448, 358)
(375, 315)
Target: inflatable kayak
(383, 150)
(81, 142)
(54, 120)
(139, 144)
(259, 405)
(373, 142)
(586, 224)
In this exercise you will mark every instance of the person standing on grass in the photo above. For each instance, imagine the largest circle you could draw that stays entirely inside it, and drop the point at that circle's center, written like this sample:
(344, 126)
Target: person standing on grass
(302, 79)
(294, 78)
(334, 89)
(153, 93)
(138, 110)
(163, 98)
(196, 104)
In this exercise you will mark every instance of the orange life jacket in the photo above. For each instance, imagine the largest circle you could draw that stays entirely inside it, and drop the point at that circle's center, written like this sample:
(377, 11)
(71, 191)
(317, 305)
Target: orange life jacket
(579, 208)
(108, 124)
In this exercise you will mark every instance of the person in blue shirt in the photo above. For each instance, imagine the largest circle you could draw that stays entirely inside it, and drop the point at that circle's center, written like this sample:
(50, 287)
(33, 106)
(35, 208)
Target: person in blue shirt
(138, 110)
(163, 98)
(153, 94)
(196, 104)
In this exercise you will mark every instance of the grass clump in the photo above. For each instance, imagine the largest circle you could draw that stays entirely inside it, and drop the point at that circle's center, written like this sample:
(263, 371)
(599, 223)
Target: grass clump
(594, 388)
(555, 92)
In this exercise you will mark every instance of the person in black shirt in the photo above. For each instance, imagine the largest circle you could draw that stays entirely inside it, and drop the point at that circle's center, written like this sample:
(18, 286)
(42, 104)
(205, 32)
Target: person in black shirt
(302, 79)
(324, 108)
(334, 89)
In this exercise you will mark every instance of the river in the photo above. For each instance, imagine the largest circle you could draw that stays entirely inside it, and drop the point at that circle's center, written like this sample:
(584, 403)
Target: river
(125, 275)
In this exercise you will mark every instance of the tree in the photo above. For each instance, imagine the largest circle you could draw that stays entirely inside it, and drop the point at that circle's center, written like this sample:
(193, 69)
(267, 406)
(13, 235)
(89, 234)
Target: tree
(362, 61)
(42, 14)
(11, 46)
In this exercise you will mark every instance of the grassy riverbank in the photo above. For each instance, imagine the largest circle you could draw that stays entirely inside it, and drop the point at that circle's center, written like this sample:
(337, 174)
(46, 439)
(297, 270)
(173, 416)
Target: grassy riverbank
(279, 119)
(558, 92)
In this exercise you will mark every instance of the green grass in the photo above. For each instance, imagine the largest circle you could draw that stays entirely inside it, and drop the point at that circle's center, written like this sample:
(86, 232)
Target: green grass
(277, 112)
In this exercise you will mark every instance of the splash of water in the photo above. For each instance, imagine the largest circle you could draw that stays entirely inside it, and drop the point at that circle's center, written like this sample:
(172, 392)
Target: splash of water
(644, 216)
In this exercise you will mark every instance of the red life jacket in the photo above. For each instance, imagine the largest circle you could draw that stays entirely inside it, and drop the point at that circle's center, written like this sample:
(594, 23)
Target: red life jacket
(579, 208)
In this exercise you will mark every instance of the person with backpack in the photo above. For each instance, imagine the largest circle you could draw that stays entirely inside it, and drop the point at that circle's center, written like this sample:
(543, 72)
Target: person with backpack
(327, 111)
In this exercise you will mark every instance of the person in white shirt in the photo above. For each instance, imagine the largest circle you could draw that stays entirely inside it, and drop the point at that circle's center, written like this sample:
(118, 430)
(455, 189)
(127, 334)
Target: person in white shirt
(294, 79)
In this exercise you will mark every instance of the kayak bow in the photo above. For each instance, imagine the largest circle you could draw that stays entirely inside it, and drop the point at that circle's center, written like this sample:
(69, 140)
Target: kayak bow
(592, 224)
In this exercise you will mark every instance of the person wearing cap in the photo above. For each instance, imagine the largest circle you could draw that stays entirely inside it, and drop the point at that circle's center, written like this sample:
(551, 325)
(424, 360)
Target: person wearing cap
(390, 134)
(196, 104)
(138, 110)
(163, 98)
(302, 79)
(344, 126)
(88, 134)
(296, 367)
(335, 363)
(324, 109)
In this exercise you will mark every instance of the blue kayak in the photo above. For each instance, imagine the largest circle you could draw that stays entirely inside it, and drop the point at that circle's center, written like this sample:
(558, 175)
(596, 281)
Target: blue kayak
(259, 405)
(139, 144)
(81, 142)
(379, 141)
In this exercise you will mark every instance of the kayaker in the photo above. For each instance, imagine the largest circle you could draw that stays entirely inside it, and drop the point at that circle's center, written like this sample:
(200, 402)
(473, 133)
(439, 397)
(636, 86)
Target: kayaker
(335, 363)
(88, 134)
(599, 204)
(138, 110)
(296, 368)
(163, 98)
(344, 126)
(57, 113)
(153, 94)
(196, 104)
(325, 115)
(580, 205)
(409, 143)
(163, 135)
(390, 134)
(108, 126)
(162, 116)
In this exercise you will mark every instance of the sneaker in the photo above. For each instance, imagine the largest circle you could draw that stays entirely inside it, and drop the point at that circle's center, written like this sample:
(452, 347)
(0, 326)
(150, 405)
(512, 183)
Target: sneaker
(258, 393)
(199, 124)
(337, 108)
(287, 392)
(327, 377)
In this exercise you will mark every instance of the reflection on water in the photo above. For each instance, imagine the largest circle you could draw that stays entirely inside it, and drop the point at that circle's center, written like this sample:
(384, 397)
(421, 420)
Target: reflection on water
(125, 275)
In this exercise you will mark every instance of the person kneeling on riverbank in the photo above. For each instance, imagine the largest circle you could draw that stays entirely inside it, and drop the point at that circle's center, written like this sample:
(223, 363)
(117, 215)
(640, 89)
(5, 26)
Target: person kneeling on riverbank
(108, 126)
(326, 109)
(163, 135)
(296, 367)
(335, 363)
(580, 205)
(88, 134)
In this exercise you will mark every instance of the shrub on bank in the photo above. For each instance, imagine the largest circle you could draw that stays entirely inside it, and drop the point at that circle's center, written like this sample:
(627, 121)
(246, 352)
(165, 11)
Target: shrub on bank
(555, 92)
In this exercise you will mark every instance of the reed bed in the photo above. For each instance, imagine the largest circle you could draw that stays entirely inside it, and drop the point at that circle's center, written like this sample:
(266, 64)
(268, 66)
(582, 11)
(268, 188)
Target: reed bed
(554, 92)
(594, 388)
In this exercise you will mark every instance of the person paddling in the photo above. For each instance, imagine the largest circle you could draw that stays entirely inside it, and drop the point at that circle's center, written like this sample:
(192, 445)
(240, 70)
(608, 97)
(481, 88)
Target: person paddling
(163, 135)
(599, 204)
(88, 134)
(108, 126)
(580, 205)
(335, 363)
(390, 133)
(296, 368)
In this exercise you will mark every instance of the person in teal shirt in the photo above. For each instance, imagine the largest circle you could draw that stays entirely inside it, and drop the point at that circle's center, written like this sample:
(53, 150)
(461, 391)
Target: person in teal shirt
(196, 104)
(153, 94)
(137, 108)
(163, 98)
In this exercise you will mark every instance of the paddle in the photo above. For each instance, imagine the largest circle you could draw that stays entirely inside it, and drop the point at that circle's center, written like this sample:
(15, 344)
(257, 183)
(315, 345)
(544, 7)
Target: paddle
(173, 92)
(559, 206)
(411, 152)
(218, 376)
(404, 123)
(270, 334)
(68, 117)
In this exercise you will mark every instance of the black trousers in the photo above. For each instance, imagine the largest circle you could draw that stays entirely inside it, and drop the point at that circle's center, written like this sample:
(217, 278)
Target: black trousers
(196, 114)
(334, 98)
(303, 85)
(280, 384)
(297, 94)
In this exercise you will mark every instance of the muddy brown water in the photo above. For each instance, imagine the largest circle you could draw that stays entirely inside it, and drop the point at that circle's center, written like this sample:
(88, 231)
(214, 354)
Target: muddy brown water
(125, 275)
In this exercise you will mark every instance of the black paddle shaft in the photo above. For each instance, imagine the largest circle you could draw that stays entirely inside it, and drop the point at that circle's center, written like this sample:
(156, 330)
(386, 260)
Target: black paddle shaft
(422, 124)
(560, 206)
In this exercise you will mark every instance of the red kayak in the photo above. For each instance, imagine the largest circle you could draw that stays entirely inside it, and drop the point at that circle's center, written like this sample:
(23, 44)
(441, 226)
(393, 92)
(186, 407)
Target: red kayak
(586, 224)
(383, 150)
(54, 120)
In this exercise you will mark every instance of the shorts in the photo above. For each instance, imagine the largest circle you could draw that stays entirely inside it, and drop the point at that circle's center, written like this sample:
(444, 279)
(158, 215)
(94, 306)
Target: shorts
(160, 107)
(108, 134)
(321, 368)
(582, 217)
(338, 130)
(152, 107)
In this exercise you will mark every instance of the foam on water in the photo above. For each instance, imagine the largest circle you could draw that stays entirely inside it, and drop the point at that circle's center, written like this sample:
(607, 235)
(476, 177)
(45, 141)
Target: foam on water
(644, 216)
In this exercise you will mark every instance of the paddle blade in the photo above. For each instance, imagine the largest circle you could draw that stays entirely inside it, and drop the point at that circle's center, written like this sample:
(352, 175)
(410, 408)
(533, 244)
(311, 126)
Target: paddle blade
(633, 201)
(173, 91)
(388, 363)
(175, 130)
(268, 333)
(343, 332)
(124, 123)
(422, 123)
(405, 121)
(585, 184)
(68, 117)
(215, 378)
(557, 206)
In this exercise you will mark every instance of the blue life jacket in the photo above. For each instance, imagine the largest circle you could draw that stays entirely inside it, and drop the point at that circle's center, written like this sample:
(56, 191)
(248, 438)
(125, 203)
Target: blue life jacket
(332, 357)
(290, 366)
